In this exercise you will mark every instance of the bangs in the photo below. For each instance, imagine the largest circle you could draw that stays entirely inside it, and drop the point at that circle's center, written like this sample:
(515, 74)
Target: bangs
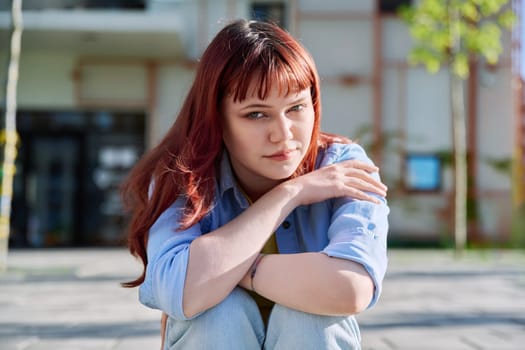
(260, 72)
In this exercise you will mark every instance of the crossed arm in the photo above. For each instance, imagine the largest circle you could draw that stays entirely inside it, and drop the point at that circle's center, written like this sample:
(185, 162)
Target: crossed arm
(221, 259)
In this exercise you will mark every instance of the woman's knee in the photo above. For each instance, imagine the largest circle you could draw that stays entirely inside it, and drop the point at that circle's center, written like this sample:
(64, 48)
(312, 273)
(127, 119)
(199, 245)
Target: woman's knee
(292, 328)
(236, 308)
(234, 320)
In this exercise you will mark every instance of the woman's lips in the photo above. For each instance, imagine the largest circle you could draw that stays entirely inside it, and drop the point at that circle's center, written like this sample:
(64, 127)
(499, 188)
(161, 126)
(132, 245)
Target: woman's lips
(281, 155)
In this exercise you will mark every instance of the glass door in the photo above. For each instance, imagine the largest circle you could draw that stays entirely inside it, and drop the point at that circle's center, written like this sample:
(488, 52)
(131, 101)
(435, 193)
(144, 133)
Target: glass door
(52, 186)
(69, 171)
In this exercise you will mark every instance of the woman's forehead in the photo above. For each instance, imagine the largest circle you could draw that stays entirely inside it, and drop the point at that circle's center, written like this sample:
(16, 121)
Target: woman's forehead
(277, 79)
(274, 90)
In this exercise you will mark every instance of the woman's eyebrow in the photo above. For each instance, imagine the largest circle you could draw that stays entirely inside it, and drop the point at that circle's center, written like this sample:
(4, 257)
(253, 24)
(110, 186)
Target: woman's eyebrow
(299, 99)
(256, 105)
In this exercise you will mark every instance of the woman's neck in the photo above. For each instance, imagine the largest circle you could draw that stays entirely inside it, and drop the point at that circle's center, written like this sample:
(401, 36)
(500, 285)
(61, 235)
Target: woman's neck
(253, 193)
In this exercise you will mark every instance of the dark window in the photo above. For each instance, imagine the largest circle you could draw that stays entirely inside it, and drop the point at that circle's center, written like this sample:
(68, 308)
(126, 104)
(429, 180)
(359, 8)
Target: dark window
(270, 12)
(83, 4)
(114, 4)
(69, 169)
(391, 6)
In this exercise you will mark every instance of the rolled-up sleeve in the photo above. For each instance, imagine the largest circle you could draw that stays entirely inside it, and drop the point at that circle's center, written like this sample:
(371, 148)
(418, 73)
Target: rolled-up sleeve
(168, 252)
(358, 230)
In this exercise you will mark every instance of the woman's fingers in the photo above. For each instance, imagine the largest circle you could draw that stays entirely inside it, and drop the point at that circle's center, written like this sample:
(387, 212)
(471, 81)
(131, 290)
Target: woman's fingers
(368, 185)
(359, 164)
(356, 169)
(358, 194)
(366, 178)
(350, 178)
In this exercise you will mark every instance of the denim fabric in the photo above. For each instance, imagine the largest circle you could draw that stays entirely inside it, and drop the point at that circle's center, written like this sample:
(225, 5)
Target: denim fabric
(343, 227)
(235, 324)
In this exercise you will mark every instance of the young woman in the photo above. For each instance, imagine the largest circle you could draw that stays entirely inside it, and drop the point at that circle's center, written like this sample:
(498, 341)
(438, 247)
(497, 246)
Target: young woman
(246, 207)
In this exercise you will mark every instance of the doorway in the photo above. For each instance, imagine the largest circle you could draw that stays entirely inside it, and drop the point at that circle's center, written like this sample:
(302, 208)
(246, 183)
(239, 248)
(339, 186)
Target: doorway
(69, 170)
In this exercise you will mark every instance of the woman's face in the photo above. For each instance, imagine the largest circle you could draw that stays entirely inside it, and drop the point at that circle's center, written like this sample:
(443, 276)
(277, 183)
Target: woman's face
(267, 139)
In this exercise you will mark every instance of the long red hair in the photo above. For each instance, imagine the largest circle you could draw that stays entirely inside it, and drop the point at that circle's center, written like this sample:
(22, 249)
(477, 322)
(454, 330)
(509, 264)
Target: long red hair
(185, 162)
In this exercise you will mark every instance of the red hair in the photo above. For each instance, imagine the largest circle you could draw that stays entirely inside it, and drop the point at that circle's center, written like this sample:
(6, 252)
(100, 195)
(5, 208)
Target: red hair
(185, 162)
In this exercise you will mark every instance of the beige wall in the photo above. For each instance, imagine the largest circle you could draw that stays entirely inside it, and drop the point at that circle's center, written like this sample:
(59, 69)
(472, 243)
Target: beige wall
(45, 81)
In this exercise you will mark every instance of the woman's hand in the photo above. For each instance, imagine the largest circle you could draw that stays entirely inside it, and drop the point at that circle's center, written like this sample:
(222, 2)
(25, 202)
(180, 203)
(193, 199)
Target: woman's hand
(351, 178)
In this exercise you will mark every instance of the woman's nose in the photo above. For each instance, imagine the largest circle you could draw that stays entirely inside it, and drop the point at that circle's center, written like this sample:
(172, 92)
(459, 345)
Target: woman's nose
(281, 129)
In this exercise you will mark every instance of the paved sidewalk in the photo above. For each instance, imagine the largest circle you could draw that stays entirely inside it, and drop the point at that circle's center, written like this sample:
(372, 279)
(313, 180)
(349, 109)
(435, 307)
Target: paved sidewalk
(70, 299)
(432, 301)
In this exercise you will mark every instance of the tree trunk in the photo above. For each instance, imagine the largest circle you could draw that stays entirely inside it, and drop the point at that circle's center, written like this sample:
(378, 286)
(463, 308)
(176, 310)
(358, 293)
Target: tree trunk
(460, 136)
(8, 134)
(460, 163)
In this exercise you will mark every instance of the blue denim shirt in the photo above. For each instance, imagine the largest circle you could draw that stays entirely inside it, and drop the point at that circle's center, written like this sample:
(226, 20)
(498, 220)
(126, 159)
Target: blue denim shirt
(341, 227)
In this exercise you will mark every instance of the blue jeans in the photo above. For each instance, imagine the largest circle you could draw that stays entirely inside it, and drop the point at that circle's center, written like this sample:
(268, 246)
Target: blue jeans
(236, 324)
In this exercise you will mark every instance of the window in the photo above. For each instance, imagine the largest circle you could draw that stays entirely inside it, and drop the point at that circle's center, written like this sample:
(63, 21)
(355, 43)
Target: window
(69, 170)
(269, 12)
(423, 172)
(114, 4)
(82, 4)
(391, 6)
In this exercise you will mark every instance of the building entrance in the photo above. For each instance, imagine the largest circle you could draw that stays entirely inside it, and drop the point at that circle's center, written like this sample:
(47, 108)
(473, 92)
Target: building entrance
(69, 170)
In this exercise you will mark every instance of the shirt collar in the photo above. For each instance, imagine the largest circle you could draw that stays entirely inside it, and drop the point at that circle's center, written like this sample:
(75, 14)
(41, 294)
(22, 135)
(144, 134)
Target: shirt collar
(227, 181)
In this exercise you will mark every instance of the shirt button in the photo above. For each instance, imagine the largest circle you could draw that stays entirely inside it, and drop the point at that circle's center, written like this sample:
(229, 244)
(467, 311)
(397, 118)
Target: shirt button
(286, 225)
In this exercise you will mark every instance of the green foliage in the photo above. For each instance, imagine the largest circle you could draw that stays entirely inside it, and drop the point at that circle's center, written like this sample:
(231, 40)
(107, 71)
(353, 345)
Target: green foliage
(501, 165)
(517, 239)
(451, 32)
(446, 157)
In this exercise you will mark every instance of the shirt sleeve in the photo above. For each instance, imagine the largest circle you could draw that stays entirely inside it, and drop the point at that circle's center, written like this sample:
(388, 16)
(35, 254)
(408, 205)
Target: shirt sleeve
(168, 252)
(358, 229)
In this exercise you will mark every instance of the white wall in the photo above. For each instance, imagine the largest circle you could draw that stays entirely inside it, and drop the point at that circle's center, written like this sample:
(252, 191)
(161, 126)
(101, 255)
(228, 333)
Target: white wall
(203, 19)
(173, 83)
(46, 81)
(495, 129)
(396, 42)
(346, 109)
(122, 82)
(339, 47)
(336, 5)
(428, 122)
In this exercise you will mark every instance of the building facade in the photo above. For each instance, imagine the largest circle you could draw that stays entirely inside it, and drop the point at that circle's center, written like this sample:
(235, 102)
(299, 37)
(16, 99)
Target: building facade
(101, 81)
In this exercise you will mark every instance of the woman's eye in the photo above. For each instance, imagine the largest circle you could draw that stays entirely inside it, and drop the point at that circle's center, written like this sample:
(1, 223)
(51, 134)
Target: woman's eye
(298, 108)
(255, 115)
